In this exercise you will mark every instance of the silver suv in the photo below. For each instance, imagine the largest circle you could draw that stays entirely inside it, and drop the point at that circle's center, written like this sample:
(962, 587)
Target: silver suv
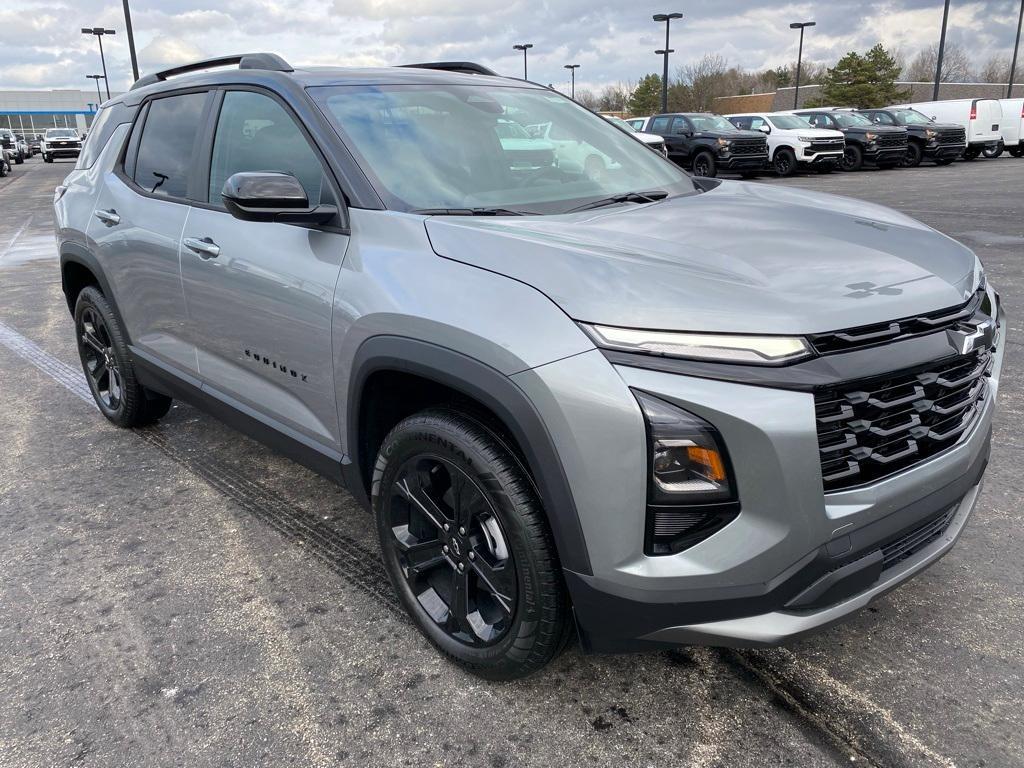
(608, 400)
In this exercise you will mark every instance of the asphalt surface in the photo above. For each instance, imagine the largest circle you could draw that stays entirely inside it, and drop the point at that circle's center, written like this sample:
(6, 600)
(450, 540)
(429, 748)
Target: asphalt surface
(181, 596)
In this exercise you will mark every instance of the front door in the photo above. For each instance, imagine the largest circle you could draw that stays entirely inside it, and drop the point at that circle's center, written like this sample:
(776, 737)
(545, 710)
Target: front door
(260, 295)
(137, 224)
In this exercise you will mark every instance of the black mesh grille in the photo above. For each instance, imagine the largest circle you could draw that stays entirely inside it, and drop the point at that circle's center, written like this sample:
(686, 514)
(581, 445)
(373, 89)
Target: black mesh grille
(750, 147)
(890, 140)
(953, 136)
(830, 145)
(872, 429)
(909, 544)
(884, 333)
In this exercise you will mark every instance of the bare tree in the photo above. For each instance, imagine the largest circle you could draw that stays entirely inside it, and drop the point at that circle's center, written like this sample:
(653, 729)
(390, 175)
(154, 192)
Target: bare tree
(995, 70)
(704, 80)
(956, 65)
(587, 98)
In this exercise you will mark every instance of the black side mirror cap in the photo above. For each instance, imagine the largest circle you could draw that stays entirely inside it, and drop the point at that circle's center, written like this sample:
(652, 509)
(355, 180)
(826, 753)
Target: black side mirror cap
(272, 196)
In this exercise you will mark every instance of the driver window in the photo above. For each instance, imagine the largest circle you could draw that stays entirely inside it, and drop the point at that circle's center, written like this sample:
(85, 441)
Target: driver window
(757, 123)
(255, 133)
(681, 126)
(881, 118)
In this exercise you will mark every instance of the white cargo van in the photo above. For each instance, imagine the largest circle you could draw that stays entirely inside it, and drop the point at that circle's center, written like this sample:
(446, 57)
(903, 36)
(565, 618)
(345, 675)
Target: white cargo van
(1012, 126)
(981, 119)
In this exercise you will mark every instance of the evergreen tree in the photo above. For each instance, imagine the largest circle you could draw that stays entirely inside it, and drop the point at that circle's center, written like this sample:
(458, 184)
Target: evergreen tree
(862, 81)
(646, 97)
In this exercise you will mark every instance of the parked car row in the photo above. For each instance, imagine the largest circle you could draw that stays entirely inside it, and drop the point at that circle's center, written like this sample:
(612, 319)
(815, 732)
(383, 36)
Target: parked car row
(54, 143)
(824, 138)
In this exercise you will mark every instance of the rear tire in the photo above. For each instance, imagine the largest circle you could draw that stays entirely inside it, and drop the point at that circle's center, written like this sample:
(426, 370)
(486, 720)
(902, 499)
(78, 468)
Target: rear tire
(19, 159)
(971, 153)
(107, 364)
(994, 152)
(704, 165)
(1017, 151)
(853, 158)
(467, 547)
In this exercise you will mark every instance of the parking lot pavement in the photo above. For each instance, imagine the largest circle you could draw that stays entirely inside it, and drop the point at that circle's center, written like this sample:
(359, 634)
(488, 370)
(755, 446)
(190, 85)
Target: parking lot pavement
(179, 595)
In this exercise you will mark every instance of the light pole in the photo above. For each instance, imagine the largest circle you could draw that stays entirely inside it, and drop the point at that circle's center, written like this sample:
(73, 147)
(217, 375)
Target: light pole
(131, 38)
(667, 18)
(100, 32)
(801, 25)
(942, 50)
(572, 70)
(1016, 45)
(524, 47)
(99, 96)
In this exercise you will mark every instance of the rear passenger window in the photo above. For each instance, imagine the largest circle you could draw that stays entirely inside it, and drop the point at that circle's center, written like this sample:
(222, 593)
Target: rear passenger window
(168, 143)
(99, 133)
(255, 133)
(660, 125)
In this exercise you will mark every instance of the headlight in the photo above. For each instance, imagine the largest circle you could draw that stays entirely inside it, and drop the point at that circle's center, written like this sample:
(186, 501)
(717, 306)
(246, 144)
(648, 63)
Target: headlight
(929, 133)
(691, 494)
(725, 142)
(805, 139)
(870, 136)
(726, 348)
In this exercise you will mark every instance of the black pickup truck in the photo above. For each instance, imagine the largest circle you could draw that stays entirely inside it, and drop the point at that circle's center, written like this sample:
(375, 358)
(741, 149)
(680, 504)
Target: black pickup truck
(707, 144)
(941, 142)
(866, 143)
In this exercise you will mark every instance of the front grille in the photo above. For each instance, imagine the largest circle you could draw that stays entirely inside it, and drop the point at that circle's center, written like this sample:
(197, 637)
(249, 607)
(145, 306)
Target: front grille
(750, 147)
(909, 544)
(892, 140)
(875, 428)
(831, 145)
(885, 333)
(957, 136)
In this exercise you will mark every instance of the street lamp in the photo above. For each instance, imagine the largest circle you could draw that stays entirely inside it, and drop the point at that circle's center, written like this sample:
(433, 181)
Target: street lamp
(1016, 45)
(131, 38)
(100, 32)
(99, 96)
(799, 57)
(572, 70)
(667, 18)
(942, 50)
(524, 47)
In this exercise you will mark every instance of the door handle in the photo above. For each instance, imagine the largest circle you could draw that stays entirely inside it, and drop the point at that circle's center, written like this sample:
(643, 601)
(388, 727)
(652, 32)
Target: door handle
(205, 247)
(110, 218)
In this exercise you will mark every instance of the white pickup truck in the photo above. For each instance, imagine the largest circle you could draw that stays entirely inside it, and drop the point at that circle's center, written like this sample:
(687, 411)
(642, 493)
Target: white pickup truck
(793, 143)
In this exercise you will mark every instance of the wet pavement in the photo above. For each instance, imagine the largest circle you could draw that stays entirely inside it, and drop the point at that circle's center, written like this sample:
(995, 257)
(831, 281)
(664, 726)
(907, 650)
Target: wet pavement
(180, 595)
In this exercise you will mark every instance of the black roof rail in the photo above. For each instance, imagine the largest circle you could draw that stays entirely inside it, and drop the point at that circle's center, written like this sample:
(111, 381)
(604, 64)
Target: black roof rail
(465, 67)
(268, 61)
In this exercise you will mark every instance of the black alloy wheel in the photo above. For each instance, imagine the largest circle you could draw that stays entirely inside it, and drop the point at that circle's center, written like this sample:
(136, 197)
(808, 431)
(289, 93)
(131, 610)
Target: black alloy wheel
(704, 165)
(101, 367)
(467, 547)
(1017, 151)
(853, 158)
(785, 162)
(914, 155)
(452, 550)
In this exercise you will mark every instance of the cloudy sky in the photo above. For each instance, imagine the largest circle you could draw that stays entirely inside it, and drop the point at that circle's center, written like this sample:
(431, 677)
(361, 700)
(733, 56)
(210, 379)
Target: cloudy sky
(41, 45)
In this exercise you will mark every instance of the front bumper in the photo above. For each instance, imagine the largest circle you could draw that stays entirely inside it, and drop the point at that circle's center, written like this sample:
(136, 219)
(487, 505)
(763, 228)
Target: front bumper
(62, 151)
(733, 162)
(795, 559)
(944, 151)
(886, 155)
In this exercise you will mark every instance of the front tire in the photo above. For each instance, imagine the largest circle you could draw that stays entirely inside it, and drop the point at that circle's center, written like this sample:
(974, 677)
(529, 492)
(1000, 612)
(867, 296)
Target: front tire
(47, 158)
(853, 158)
(467, 547)
(784, 162)
(914, 155)
(19, 159)
(704, 165)
(971, 153)
(108, 368)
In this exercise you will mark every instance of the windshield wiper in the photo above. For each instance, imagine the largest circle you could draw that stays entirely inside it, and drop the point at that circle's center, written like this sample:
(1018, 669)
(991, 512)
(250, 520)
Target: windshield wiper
(650, 196)
(472, 212)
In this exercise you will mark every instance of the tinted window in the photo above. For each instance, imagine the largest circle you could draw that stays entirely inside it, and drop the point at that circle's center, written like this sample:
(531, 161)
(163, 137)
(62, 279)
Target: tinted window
(99, 133)
(167, 144)
(881, 118)
(743, 123)
(255, 133)
(680, 126)
(660, 125)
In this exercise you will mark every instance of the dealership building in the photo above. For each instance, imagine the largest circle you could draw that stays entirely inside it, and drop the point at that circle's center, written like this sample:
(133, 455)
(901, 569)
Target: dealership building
(31, 112)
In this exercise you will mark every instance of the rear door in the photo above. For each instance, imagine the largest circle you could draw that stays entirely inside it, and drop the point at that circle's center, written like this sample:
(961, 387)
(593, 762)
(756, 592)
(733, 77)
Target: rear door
(137, 224)
(260, 295)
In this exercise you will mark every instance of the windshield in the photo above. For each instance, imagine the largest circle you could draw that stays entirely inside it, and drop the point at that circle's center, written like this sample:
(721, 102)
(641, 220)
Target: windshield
(711, 123)
(850, 119)
(61, 133)
(789, 122)
(438, 146)
(618, 122)
(910, 117)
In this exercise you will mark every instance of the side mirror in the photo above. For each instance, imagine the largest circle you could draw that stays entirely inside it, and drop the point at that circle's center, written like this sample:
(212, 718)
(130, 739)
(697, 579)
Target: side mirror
(765, 128)
(272, 196)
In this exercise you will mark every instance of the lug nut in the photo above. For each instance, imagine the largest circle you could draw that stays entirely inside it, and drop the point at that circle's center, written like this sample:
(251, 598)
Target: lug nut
(472, 555)
(462, 566)
(446, 526)
(445, 549)
(462, 531)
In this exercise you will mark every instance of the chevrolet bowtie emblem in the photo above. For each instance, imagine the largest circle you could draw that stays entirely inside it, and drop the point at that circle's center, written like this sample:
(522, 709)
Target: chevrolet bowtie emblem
(966, 338)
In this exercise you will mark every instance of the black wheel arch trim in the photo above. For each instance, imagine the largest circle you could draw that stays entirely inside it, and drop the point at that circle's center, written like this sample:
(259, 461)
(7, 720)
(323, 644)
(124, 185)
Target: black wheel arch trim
(496, 391)
(74, 253)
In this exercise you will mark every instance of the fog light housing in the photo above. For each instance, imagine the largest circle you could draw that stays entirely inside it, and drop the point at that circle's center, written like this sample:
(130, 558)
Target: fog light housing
(691, 493)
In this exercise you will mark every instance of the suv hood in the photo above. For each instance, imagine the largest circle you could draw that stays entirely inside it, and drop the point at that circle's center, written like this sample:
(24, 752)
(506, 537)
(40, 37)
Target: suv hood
(740, 258)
